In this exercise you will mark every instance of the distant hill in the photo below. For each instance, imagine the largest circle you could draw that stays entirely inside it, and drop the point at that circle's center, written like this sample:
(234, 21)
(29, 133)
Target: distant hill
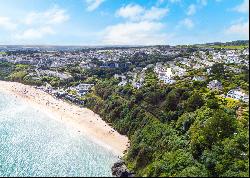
(239, 44)
(232, 43)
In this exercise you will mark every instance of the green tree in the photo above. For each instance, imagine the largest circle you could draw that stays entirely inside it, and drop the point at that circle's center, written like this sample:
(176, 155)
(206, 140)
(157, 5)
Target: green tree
(210, 127)
(194, 102)
(218, 70)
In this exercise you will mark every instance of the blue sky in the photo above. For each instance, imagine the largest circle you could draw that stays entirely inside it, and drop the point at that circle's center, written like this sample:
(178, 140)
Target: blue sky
(122, 22)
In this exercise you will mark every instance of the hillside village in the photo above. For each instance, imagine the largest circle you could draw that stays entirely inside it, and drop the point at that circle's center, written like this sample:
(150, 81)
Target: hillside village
(170, 65)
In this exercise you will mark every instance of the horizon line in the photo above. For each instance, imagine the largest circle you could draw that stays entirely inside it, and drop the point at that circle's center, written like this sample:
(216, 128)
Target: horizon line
(54, 45)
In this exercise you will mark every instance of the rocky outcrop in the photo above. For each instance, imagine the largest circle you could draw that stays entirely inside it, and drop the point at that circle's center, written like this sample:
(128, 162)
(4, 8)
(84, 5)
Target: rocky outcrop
(119, 169)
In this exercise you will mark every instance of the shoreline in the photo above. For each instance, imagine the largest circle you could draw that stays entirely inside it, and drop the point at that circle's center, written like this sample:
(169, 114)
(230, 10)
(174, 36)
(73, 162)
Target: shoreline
(82, 119)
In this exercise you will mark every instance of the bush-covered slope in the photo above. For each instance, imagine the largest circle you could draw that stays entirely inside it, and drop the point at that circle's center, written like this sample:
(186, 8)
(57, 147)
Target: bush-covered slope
(180, 130)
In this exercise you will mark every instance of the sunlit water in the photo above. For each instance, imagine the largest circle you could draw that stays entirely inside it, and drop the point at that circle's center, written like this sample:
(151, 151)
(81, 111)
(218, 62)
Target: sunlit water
(33, 144)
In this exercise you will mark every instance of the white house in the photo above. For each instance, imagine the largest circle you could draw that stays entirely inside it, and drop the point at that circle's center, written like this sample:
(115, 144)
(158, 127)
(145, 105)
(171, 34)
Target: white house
(164, 75)
(238, 94)
(215, 85)
(123, 83)
(82, 88)
(137, 85)
(246, 51)
(199, 78)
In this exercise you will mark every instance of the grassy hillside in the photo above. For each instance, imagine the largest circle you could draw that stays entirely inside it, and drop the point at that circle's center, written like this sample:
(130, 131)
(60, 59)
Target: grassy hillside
(229, 47)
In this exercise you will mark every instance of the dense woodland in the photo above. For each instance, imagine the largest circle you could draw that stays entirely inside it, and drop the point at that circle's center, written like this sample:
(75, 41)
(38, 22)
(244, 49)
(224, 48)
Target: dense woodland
(183, 129)
(178, 130)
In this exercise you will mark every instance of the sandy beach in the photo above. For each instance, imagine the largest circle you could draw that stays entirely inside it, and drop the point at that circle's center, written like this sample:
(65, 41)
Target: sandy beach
(82, 120)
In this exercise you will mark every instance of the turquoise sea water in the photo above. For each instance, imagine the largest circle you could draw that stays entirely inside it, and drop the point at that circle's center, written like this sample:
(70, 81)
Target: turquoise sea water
(32, 144)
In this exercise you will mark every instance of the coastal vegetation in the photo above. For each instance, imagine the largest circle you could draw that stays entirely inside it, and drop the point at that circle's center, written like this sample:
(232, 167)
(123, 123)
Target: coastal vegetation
(5, 70)
(178, 130)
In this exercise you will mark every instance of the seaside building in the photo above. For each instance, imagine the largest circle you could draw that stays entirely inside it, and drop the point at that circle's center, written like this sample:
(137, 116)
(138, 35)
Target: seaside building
(238, 94)
(82, 89)
(199, 78)
(164, 75)
(61, 76)
(215, 85)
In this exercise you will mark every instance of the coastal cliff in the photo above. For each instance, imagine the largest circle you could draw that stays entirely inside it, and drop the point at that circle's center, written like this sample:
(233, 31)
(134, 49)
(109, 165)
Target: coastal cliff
(173, 130)
(119, 169)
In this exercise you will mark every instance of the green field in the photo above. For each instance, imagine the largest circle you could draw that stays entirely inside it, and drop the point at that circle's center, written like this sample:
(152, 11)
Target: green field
(215, 46)
(229, 47)
(2, 52)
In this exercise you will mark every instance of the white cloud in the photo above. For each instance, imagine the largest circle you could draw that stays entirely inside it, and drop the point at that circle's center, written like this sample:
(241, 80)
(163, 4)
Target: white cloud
(135, 33)
(136, 12)
(37, 25)
(93, 4)
(52, 16)
(155, 13)
(160, 1)
(142, 26)
(34, 33)
(243, 7)
(7, 24)
(191, 9)
(188, 23)
(240, 29)
(202, 2)
(130, 11)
